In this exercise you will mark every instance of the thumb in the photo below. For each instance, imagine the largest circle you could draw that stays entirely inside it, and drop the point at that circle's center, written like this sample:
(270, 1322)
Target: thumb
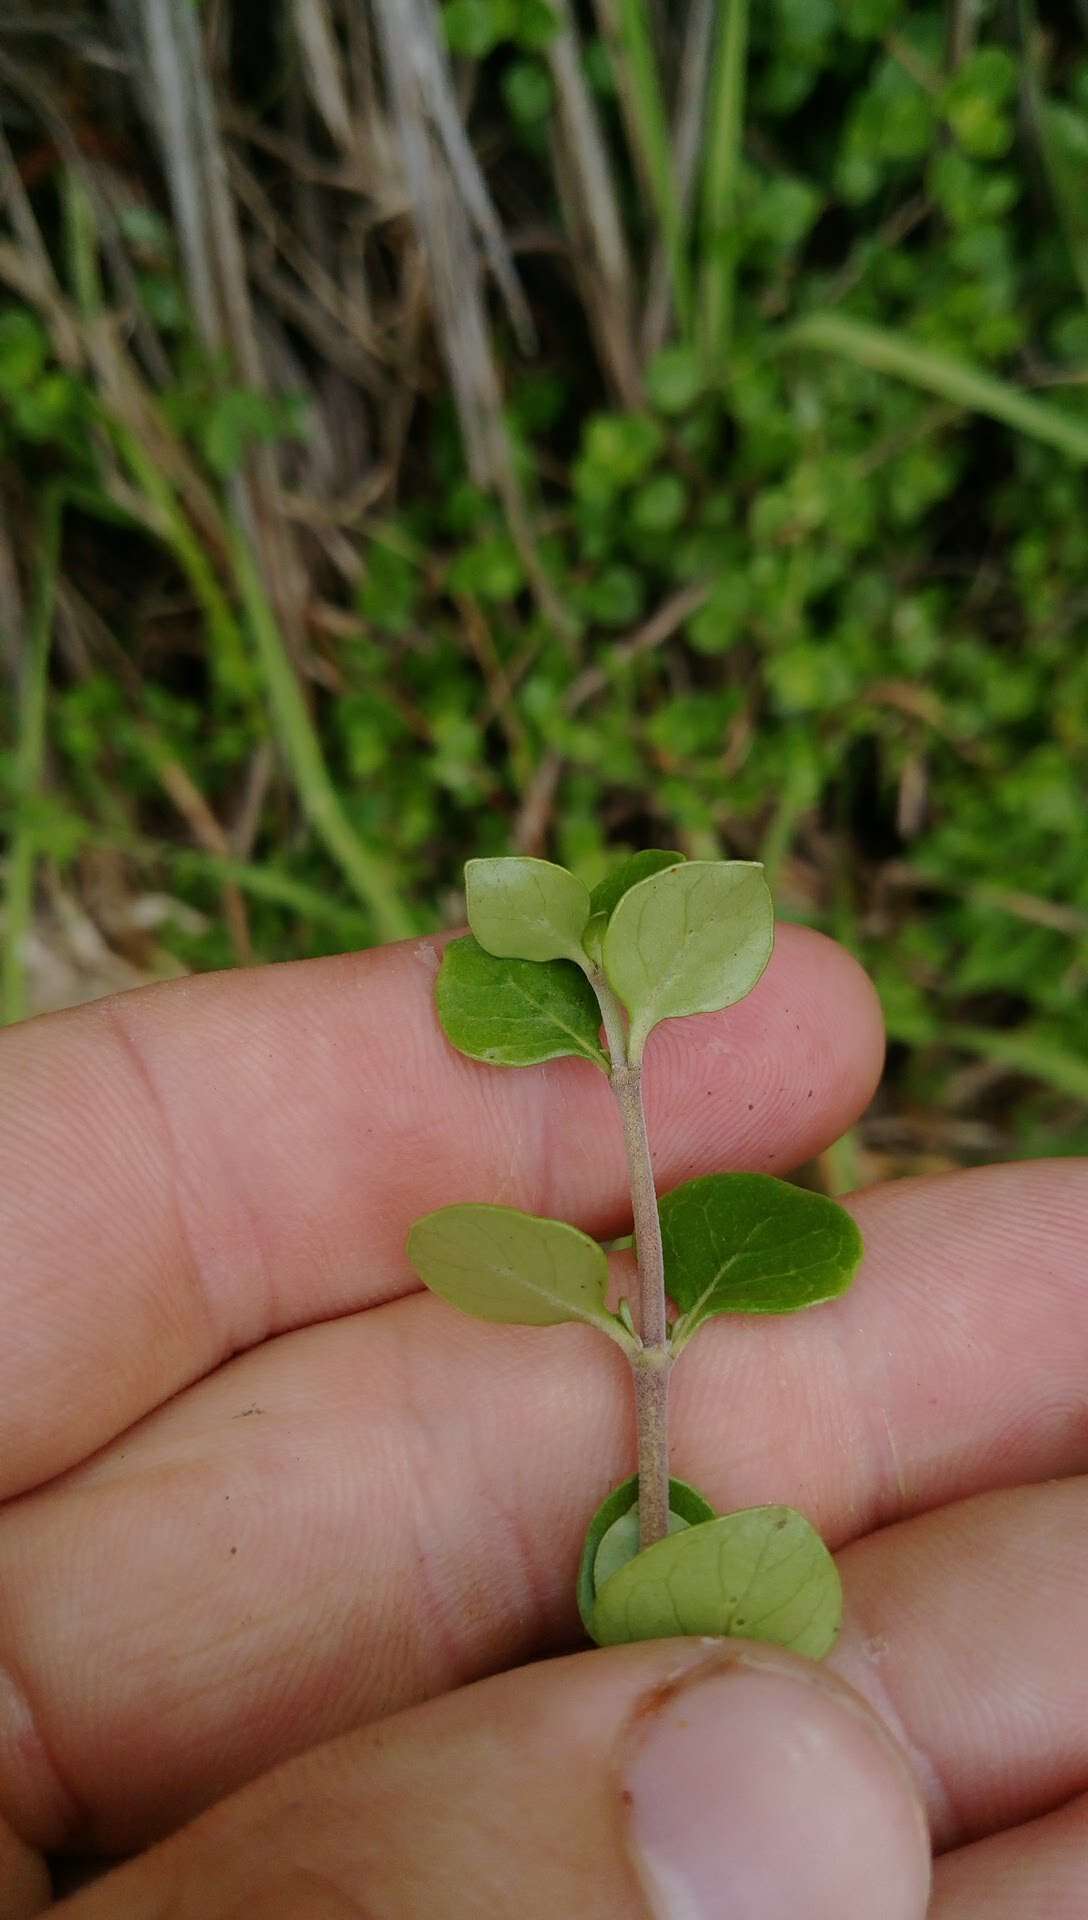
(679, 1780)
(761, 1787)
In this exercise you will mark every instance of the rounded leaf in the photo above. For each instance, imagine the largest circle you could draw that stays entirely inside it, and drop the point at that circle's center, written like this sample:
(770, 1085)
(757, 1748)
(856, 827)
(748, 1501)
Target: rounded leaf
(761, 1574)
(524, 909)
(675, 378)
(748, 1243)
(621, 1543)
(500, 1264)
(608, 892)
(690, 939)
(684, 1502)
(516, 1013)
(593, 937)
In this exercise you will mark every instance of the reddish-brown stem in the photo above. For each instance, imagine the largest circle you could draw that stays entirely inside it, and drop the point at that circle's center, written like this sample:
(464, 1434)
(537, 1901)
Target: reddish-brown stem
(651, 1364)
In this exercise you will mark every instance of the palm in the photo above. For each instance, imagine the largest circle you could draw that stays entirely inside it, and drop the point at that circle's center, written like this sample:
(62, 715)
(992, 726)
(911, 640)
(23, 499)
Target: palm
(260, 1492)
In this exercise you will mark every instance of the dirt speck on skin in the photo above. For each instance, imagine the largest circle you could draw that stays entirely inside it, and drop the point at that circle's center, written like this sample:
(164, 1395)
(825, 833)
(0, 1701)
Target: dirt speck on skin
(674, 1685)
(426, 952)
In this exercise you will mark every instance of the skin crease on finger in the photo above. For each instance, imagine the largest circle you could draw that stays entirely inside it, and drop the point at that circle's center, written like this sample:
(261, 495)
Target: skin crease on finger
(187, 1170)
(193, 1666)
(1036, 1872)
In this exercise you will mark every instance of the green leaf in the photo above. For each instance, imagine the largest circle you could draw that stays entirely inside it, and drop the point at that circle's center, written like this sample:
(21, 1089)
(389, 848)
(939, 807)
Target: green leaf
(609, 892)
(684, 1502)
(761, 1574)
(527, 90)
(690, 939)
(503, 1265)
(524, 909)
(614, 595)
(516, 1013)
(474, 27)
(747, 1243)
(977, 100)
(621, 1543)
(674, 379)
(622, 446)
(593, 937)
(489, 567)
(24, 350)
(241, 418)
(537, 24)
(659, 505)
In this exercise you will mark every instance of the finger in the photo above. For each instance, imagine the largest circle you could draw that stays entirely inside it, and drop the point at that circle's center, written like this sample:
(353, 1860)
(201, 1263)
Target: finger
(24, 1881)
(367, 1513)
(1036, 1872)
(655, 1783)
(954, 1364)
(966, 1629)
(188, 1169)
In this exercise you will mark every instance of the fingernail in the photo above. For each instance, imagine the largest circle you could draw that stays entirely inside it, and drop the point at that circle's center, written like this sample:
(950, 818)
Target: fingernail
(757, 1793)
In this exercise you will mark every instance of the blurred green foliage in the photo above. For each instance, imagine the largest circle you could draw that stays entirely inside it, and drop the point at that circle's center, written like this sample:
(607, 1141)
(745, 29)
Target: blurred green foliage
(879, 683)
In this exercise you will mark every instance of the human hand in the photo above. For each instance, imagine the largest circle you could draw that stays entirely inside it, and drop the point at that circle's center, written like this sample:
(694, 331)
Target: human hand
(261, 1494)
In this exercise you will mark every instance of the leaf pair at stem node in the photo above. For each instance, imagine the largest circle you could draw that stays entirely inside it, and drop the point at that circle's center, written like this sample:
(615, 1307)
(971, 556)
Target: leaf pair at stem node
(663, 935)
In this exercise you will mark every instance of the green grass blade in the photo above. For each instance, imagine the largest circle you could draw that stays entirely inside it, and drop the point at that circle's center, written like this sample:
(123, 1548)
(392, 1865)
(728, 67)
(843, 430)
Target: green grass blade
(1021, 1049)
(228, 648)
(29, 765)
(1025, 1052)
(81, 235)
(939, 373)
(725, 131)
(649, 125)
(275, 888)
(265, 883)
(364, 871)
(1068, 181)
(1069, 187)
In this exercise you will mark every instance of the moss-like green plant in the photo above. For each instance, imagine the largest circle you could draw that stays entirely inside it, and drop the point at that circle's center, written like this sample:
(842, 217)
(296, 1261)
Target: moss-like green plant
(548, 967)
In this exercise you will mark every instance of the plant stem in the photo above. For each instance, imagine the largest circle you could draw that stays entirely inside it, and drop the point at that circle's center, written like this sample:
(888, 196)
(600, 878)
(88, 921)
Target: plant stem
(725, 132)
(653, 1362)
(651, 1371)
(653, 1325)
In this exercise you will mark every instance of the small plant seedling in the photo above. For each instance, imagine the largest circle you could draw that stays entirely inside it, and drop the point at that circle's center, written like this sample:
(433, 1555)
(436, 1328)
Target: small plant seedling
(547, 968)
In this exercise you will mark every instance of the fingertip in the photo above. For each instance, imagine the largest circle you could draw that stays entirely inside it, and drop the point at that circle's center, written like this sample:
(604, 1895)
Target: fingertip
(773, 1080)
(761, 1783)
(844, 1017)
